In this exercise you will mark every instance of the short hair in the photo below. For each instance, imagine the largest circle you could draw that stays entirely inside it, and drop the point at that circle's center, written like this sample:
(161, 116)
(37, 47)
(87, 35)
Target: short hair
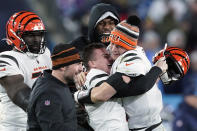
(87, 54)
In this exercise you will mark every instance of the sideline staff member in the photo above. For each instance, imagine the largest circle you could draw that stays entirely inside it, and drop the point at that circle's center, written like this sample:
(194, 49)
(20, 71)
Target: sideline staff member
(51, 106)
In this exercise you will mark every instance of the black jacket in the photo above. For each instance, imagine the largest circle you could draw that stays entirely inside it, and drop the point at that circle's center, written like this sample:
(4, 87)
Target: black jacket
(51, 106)
(96, 12)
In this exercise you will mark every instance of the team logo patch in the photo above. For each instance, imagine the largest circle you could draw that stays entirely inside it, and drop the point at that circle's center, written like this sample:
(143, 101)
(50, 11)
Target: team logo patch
(47, 102)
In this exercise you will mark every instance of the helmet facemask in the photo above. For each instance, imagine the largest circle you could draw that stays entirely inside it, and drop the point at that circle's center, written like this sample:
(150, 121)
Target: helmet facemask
(34, 41)
(174, 71)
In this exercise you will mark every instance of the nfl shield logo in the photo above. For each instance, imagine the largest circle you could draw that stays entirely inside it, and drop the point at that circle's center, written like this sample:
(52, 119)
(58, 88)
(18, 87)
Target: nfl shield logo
(47, 102)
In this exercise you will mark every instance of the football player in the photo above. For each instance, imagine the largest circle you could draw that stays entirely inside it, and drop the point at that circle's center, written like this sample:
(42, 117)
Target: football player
(103, 116)
(20, 67)
(143, 109)
(103, 18)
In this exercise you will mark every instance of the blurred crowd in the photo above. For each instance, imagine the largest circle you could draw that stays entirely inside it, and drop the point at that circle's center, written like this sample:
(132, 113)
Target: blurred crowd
(164, 21)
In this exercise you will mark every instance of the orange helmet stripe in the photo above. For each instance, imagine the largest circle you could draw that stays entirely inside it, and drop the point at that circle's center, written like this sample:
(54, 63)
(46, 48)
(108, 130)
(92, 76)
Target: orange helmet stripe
(18, 14)
(181, 56)
(19, 26)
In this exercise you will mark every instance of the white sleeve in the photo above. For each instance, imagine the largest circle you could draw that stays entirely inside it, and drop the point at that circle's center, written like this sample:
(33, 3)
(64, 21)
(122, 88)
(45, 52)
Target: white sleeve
(131, 65)
(95, 78)
(134, 69)
(48, 53)
(9, 67)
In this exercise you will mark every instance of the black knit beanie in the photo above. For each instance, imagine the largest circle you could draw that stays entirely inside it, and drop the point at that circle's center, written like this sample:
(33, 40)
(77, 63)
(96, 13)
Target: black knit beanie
(64, 55)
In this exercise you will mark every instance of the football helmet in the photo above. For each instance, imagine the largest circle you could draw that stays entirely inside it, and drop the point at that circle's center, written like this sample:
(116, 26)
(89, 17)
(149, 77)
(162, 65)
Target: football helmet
(178, 63)
(22, 24)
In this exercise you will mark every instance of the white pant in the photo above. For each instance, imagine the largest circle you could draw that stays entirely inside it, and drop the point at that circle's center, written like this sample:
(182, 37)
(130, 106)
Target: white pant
(4, 128)
(12, 118)
(158, 128)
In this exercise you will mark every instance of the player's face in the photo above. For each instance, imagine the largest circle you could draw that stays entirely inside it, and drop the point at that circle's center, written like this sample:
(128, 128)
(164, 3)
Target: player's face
(101, 60)
(116, 51)
(33, 41)
(105, 26)
(72, 70)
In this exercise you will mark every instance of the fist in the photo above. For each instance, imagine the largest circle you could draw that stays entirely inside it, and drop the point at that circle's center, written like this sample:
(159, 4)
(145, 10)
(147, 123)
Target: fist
(161, 63)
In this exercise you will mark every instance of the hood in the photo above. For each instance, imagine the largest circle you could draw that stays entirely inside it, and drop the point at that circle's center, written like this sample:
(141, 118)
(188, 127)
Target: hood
(96, 14)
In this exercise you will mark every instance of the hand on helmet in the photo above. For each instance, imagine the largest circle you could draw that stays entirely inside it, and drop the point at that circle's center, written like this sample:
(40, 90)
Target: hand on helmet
(178, 63)
(161, 63)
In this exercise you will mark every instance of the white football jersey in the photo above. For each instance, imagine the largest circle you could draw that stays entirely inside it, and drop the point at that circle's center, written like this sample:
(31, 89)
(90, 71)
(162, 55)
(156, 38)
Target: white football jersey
(12, 62)
(105, 116)
(143, 110)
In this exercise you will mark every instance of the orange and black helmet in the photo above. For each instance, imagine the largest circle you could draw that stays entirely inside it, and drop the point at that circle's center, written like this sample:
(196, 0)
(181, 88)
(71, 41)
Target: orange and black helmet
(177, 59)
(21, 23)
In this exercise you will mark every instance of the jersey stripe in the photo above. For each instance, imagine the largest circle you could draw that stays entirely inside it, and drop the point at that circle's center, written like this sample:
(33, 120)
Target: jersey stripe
(130, 54)
(134, 58)
(4, 63)
(35, 75)
(10, 57)
(99, 83)
(96, 77)
(84, 87)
